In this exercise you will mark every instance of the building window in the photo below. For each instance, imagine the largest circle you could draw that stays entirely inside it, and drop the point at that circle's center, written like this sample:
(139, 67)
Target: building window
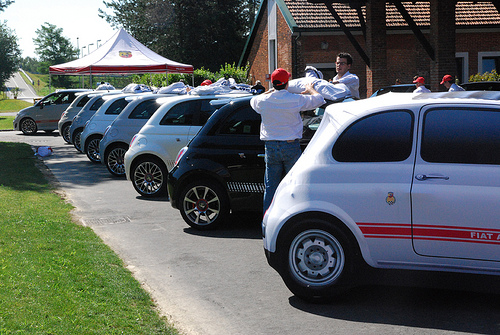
(488, 61)
(462, 61)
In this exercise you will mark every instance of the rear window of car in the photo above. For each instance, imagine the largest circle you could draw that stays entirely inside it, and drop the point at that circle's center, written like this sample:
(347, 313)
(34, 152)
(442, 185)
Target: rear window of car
(117, 107)
(382, 137)
(462, 136)
(144, 110)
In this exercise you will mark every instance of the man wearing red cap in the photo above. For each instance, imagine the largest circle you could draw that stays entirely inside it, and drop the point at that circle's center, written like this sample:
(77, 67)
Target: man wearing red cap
(281, 127)
(420, 84)
(450, 85)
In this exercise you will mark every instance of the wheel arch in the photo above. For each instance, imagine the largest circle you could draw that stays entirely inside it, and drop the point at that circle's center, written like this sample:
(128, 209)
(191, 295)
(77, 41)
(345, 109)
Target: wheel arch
(351, 230)
(193, 175)
(113, 145)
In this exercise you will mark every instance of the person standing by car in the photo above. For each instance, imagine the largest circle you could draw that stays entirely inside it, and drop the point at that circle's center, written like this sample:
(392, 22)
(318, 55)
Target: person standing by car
(450, 85)
(420, 84)
(281, 127)
(343, 65)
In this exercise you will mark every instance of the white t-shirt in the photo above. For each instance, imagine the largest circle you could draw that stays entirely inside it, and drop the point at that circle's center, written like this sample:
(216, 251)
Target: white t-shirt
(422, 89)
(280, 112)
(351, 81)
(327, 90)
(455, 87)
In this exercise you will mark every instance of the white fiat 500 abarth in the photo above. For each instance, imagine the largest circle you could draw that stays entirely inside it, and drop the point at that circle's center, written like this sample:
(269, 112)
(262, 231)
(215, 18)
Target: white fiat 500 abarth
(400, 181)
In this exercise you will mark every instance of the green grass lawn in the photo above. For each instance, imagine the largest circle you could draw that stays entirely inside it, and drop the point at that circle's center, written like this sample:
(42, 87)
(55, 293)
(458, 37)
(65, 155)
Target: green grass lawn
(13, 105)
(6, 122)
(57, 277)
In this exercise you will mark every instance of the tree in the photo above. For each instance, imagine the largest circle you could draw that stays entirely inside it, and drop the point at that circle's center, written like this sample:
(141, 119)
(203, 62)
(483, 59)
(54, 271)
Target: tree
(52, 47)
(10, 54)
(4, 4)
(204, 33)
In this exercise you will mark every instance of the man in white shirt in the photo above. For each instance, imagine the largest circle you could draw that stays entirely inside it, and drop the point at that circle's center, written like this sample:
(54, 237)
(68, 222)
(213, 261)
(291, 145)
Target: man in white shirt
(420, 84)
(281, 127)
(450, 85)
(343, 65)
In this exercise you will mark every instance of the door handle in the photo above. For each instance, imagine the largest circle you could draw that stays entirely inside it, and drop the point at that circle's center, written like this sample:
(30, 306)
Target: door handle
(261, 155)
(430, 176)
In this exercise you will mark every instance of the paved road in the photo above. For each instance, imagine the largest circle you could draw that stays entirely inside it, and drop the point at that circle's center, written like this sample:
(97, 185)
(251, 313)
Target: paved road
(218, 283)
(26, 93)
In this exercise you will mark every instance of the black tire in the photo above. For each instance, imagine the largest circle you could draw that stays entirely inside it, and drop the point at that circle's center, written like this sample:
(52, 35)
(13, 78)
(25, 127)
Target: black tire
(65, 132)
(28, 126)
(114, 159)
(204, 205)
(149, 177)
(92, 148)
(316, 259)
(77, 135)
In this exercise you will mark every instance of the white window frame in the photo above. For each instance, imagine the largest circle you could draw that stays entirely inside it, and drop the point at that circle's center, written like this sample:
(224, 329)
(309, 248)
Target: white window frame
(484, 54)
(465, 65)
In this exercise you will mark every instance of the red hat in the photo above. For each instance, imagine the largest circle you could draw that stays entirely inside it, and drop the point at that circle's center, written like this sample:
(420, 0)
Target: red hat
(446, 78)
(280, 75)
(420, 80)
(206, 82)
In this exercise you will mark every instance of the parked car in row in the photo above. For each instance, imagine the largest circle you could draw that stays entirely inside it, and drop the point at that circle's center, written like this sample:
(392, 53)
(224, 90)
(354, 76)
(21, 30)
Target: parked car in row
(119, 133)
(97, 124)
(79, 121)
(76, 106)
(400, 181)
(222, 168)
(153, 150)
(45, 114)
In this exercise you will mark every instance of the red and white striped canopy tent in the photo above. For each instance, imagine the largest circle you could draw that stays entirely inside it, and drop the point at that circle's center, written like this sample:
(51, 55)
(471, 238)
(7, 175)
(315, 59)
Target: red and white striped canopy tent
(121, 54)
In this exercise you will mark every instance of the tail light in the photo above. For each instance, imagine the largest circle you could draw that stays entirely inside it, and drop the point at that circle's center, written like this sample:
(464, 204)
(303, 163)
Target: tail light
(132, 141)
(180, 154)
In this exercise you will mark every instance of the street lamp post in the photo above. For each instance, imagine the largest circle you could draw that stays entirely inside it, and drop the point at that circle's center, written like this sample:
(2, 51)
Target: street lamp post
(88, 48)
(83, 50)
(98, 43)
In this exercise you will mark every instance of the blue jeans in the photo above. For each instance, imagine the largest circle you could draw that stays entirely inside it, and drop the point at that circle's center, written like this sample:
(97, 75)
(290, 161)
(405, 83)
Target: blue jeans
(280, 157)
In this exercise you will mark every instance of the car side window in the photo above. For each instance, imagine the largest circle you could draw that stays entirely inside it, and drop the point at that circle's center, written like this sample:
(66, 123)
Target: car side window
(144, 110)
(244, 121)
(98, 103)
(461, 136)
(382, 137)
(181, 114)
(64, 98)
(83, 101)
(116, 107)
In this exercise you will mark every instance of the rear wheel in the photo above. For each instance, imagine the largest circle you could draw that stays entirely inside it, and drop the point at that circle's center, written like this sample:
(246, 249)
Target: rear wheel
(65, 132)
(149, 177)
(77, 135)
(114, 159)
(204, 205)
(28, 126)
(92, 148)
(316, 259)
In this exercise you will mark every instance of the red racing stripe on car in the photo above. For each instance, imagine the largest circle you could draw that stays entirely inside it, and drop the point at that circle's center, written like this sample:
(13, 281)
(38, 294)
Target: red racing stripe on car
(430, 232)
(385, 230)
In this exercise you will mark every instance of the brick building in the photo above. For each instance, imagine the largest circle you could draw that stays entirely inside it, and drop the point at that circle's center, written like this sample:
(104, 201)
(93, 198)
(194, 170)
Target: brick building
(295, 33)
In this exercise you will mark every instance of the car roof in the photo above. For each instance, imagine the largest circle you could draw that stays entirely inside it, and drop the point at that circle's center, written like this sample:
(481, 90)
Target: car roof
(345, 112)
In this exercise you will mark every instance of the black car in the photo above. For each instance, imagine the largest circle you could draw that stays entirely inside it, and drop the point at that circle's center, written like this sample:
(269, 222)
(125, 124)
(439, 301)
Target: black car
(482, 86)
(222, 168)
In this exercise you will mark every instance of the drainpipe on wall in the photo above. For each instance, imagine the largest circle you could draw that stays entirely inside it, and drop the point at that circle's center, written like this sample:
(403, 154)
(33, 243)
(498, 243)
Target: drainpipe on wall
(295, 56)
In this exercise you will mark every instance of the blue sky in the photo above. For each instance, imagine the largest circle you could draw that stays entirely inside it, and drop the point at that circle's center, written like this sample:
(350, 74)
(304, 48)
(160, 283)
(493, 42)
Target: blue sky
(78, 19)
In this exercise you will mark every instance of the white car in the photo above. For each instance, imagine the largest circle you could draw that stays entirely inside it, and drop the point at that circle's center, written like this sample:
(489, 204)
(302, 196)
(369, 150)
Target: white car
(153, 150)
(94, 128)
(67, 116)
(79, 121)
(400, 181)
(120, 132)
(45, 114)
